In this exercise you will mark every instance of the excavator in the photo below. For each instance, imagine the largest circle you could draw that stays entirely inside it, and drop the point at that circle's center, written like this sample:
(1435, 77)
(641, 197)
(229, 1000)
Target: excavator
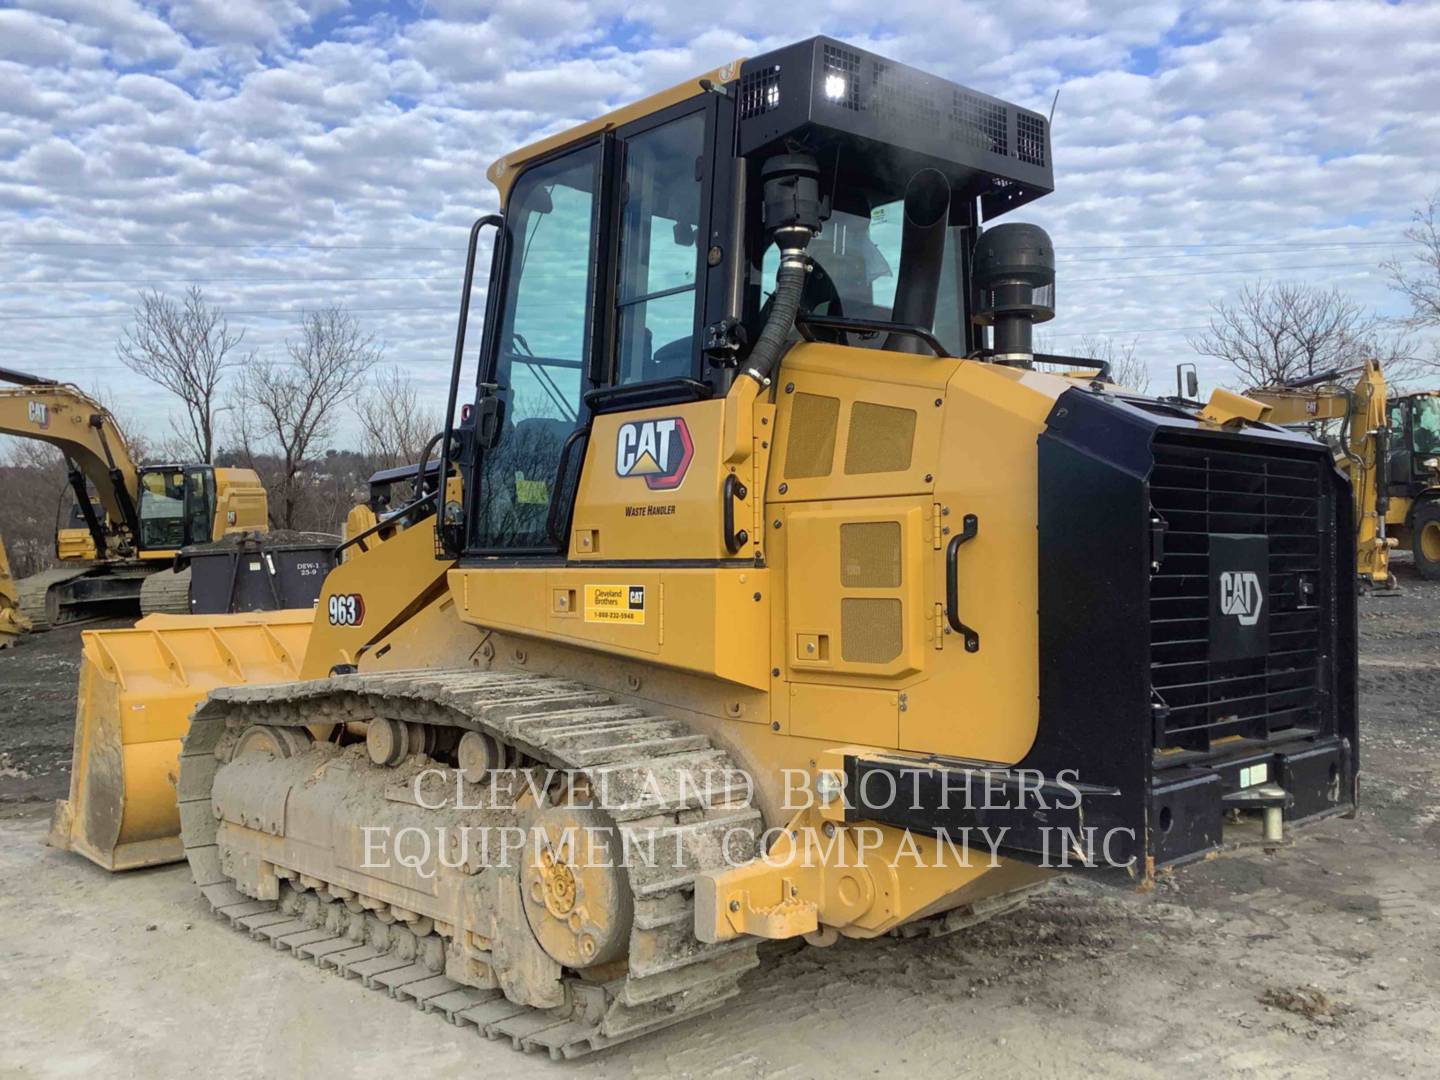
(772, 592)
(137, 519)
(1389, 447)
(13, 622)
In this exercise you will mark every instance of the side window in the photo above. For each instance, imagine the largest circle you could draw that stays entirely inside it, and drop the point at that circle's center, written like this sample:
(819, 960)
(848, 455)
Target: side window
(199, 506)
(1397, 425)
(660, 250)
(541, 348)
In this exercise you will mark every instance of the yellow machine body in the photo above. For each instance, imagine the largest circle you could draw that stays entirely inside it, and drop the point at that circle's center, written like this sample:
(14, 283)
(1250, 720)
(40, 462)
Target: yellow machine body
(1375, 433)
(138, 687)
(856, 481)
(140, 516)
(75, 545)
(13, 622)
(836, 564)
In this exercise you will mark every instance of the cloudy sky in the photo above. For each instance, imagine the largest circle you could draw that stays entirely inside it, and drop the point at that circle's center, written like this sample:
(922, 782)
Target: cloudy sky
(292, 153)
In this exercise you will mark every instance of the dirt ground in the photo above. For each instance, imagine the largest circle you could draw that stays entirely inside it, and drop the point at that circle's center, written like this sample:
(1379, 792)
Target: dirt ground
(1317, 959)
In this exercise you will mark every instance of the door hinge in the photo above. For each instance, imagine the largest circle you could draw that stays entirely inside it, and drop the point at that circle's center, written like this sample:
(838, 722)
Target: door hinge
(939, 626)
(936, 513)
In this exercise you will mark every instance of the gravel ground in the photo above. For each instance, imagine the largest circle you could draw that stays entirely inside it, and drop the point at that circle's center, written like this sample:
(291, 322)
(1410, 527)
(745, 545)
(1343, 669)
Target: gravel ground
(1316, 959)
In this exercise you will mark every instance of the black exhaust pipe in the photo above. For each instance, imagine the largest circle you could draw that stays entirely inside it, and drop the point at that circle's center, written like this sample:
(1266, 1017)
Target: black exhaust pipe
(922, 250)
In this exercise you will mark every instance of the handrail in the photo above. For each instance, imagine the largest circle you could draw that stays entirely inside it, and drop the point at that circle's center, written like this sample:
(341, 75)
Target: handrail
(498, 221)
(806, 320)
(390, 522)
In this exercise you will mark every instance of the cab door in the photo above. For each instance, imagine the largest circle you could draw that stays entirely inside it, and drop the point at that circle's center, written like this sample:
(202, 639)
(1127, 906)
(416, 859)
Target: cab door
(541, 350)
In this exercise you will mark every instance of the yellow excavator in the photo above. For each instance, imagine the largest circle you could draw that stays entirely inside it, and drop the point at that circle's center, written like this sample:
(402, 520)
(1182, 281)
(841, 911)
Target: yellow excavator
(13, 622)
(137, 519)
(772, 593)
(1389, 447)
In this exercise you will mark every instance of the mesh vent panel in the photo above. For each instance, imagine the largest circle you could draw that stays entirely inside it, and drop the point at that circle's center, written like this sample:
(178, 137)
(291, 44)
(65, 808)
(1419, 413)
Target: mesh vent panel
(979, 122)
(882, 439)
(871, 631)
(1030, 139)
(842, 77)
(759, 92)
(810, 449)
(898, 96)
(870, 555)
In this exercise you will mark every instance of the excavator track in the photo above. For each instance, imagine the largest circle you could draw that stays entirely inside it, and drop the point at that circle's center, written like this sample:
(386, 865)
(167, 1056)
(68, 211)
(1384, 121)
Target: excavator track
(166, 593)
(33, 593)
(645, 763)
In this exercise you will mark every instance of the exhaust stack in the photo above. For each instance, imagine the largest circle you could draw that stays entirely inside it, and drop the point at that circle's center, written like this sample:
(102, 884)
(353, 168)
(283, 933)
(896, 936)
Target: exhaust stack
(922, 249)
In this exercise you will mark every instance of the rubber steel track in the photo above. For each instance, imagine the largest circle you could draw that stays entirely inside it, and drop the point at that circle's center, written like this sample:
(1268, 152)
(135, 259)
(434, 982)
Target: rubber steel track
(646, 765)
(33, 592)
(165, 592)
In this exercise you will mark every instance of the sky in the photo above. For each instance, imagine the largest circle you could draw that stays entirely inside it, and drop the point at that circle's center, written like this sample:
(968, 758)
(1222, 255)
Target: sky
(296, 153)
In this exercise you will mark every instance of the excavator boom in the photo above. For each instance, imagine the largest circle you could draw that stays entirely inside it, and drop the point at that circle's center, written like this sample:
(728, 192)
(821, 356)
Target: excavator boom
(94, 447)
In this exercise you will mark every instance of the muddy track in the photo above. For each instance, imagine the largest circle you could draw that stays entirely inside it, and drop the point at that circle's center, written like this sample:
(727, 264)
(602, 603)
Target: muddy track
(653, 774)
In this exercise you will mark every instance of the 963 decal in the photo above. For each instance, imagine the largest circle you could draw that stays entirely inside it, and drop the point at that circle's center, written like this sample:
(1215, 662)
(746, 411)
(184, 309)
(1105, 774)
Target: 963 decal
(347, 609)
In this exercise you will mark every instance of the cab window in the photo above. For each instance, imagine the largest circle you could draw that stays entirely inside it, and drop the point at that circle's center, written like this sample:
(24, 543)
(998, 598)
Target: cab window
(542, 347)
(661, 243)
(162, 509)
(855, 261)
(1426, 421)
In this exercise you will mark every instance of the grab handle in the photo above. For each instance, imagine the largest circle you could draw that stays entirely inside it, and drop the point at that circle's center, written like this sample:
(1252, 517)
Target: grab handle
(952, 583)
(734, 490)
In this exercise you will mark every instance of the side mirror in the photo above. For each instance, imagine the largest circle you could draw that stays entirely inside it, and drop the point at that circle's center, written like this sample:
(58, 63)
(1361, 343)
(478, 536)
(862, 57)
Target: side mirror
(1187, 382)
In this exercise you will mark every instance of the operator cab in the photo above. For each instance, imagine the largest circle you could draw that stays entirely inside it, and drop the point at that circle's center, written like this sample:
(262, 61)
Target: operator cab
(635, 267)
(1414, 444)
(177, 506)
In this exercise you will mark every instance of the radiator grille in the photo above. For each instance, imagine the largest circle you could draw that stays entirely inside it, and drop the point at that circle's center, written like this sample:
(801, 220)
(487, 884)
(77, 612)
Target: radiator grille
(1199, 490)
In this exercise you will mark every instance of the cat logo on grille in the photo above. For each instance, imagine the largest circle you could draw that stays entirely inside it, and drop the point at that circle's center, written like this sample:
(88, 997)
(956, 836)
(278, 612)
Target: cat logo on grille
(1241, 596)
(659, 450)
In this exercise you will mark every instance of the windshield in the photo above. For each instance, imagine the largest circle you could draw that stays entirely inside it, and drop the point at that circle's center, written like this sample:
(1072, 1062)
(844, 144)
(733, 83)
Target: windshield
(175, 508)
(1425, 420)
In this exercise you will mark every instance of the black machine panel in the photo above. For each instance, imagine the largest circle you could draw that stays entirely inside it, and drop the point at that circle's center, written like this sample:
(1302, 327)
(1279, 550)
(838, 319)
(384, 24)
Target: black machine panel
(1231, 547)
(829, 94)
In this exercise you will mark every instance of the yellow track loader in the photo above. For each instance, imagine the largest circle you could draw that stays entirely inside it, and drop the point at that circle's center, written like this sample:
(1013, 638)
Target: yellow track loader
(138, 519)
(1389, 447)
(13, 622)
(776, 594)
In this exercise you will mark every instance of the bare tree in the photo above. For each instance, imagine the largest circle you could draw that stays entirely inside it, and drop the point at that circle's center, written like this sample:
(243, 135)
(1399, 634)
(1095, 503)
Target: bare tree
(394, 424)
(1418, 277)
(1276, 333)
(38, 491)
(1126, 369)
(290, 408)
(184, 346)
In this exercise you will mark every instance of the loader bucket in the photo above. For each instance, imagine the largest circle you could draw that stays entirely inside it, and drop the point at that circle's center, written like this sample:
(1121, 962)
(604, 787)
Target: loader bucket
(138, 687)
